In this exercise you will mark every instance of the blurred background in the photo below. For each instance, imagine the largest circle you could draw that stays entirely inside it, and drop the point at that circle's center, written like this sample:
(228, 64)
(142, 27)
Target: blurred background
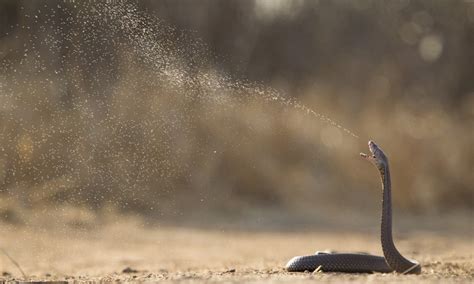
(233, 110)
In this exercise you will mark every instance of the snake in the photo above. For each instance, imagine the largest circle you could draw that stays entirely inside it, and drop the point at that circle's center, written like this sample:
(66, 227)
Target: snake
(391, 261)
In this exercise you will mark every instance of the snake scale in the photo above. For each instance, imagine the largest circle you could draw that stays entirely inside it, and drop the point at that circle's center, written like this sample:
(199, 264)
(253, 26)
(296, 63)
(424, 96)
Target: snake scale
(391, 260)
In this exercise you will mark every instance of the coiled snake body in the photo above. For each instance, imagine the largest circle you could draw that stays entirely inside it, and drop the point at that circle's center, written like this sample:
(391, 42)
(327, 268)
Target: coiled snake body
(391, 260)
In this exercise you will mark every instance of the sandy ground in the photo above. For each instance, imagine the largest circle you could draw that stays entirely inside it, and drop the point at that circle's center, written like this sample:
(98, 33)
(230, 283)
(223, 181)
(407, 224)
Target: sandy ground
(128, 251)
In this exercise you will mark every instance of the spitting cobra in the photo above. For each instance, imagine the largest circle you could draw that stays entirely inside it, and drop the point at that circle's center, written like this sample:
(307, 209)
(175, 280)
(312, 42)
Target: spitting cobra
(391, 260)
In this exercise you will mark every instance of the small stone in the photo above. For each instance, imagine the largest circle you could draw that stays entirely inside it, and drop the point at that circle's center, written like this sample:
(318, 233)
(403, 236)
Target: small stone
(129, 270)
(6, 274)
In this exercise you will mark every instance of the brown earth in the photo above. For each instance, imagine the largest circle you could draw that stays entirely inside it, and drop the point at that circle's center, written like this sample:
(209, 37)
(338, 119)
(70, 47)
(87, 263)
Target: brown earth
(129, 251)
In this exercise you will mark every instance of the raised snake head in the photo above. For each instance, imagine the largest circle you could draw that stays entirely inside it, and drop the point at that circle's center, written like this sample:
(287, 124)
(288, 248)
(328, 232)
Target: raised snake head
(377, 156)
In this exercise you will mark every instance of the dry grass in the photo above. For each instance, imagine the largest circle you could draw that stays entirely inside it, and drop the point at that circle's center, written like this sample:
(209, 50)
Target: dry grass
(153, 146)
(137, 115)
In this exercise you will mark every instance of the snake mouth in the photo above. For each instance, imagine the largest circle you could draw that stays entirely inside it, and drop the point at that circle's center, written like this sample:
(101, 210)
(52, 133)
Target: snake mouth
(373, 148)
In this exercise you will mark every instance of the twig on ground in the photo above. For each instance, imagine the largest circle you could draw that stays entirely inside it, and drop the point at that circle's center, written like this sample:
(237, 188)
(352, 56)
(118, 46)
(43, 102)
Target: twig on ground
(318, 270)
(13, 261)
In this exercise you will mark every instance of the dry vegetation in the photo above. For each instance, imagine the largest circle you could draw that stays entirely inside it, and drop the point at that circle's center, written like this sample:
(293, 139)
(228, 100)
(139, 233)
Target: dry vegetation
(106, 104)
(141, 108)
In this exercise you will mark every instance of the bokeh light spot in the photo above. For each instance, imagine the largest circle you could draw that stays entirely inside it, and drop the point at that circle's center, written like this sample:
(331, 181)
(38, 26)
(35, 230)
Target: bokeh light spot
(431, 48)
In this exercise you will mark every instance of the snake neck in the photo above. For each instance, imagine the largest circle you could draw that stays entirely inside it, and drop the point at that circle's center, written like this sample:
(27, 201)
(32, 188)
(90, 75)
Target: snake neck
(392, 256)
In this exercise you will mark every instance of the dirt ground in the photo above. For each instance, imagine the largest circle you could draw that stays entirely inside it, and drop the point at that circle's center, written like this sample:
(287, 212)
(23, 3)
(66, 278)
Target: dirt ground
(129, 251)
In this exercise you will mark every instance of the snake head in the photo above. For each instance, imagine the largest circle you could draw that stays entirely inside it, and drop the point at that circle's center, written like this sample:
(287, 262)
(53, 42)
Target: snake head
(377, 156)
